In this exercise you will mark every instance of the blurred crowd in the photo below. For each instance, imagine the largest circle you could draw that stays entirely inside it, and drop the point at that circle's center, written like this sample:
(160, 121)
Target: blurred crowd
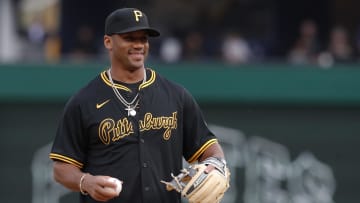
(40, 38)
(339, 47)
(234, 48)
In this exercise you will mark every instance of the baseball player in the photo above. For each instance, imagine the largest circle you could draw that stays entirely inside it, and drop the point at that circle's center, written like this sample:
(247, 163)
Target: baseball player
(129, 123)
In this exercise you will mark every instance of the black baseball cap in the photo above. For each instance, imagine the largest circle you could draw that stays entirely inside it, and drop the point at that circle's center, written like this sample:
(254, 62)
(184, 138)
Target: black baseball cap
(128, 20)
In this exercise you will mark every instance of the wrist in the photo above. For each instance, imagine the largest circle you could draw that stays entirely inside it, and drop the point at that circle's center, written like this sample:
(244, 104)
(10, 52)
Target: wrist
(81, 184)
(218, 162)
(221, 159)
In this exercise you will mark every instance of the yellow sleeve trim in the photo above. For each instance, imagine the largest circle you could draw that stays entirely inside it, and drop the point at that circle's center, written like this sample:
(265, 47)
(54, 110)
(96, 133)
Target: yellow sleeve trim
(65, 159)
(202, 150)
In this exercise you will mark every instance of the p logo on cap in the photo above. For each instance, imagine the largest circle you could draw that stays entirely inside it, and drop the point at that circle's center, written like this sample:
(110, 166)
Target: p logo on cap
(137, 14)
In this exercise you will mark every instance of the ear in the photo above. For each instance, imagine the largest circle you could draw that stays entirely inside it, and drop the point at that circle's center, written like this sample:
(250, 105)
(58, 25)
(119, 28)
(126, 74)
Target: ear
(107, 42)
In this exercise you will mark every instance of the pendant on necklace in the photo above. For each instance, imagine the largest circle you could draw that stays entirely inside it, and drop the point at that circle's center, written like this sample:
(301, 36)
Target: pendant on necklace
(131, 111)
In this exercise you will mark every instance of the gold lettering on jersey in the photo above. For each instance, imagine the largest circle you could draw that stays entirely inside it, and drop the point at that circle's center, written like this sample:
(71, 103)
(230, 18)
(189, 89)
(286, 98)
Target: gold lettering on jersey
(168, 123)
(109, 131)
(123, 128)
(105, 130)
(137, 14)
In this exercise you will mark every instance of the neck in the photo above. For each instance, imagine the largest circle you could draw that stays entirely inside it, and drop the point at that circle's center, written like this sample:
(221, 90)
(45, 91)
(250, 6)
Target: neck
(128, 76)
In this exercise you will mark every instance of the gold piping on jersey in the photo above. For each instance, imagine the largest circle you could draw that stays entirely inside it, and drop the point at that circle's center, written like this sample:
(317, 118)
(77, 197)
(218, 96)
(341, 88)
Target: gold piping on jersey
(66, 159)
(107, 81)
(150, 81)
(201, 150)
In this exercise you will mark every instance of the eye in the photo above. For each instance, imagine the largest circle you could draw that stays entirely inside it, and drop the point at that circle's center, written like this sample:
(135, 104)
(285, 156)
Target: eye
(144, 39)
(128, 38)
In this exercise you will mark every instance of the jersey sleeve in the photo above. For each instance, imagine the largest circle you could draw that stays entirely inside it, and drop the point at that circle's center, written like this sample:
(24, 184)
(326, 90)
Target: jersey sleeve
(197, 135)
(70, 140)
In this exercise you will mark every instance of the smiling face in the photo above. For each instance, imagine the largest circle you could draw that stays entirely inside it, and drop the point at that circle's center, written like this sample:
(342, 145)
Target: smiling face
(128, 50)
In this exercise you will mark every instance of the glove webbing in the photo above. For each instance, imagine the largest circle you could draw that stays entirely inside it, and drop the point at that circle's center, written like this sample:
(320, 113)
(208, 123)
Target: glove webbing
(180, 181)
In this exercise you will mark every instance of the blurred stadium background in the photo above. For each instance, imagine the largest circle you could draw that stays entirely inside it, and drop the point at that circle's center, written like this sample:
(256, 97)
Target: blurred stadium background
(278, 82)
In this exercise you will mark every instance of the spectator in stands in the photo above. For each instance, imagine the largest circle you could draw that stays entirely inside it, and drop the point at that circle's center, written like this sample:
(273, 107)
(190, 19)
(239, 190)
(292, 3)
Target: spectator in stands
(235, 49)
(306, 47)
(170, 50)
(339, 47)
(357, 44)
(193, 46)
(85, 44)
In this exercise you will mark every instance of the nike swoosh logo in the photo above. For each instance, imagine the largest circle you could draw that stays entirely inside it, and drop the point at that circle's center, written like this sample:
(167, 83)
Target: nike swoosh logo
(98, 106)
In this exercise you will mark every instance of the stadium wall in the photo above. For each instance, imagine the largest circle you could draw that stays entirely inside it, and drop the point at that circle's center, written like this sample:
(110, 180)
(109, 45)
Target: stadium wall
(289, 111)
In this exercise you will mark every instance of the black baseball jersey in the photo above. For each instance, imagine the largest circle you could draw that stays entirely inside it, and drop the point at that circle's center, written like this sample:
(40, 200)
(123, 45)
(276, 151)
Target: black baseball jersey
(97, 135)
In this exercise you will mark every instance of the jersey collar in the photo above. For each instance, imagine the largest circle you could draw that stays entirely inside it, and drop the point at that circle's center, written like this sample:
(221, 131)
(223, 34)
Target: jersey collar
(147, 83)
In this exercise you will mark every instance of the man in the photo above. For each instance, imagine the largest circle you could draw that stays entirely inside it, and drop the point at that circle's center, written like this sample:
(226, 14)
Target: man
(129, 123)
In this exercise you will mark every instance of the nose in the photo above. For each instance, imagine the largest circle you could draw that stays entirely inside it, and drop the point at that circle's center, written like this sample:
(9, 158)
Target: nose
(138, 43)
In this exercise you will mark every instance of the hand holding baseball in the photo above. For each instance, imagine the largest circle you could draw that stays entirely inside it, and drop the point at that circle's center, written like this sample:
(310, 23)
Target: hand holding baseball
(118, 187)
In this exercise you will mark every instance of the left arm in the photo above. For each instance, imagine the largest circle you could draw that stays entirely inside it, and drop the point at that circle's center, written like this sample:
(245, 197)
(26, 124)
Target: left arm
(214, 150)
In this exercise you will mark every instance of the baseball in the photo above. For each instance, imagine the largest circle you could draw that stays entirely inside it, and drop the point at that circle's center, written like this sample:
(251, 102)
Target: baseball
(118, 185)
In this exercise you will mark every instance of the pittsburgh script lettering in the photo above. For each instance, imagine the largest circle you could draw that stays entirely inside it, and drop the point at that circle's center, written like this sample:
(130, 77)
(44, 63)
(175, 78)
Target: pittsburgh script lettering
(167, 123)
(110, 130)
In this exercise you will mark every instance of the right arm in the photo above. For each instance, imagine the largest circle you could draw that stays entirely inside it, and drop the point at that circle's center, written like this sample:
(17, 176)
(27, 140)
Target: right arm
(67, 167)
(69, 176)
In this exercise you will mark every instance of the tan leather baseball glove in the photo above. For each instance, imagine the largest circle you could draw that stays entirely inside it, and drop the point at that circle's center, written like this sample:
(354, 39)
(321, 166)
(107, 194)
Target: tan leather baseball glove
(201, 187)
